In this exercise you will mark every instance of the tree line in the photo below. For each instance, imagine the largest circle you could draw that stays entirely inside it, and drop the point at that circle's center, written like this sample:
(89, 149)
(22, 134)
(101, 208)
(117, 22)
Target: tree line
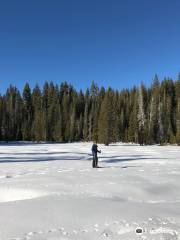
(61, 113)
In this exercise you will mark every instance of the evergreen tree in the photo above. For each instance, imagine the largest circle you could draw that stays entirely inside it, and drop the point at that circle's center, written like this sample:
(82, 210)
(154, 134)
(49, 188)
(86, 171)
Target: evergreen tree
(86, 116)
(1, 118)
(45, 110)
(27, 113)
(57, 129)
(94, 113)
(133, 120)
(160, 138)
(106, 119)
(38, 125)
(66, 95)
(154, 111)
(12, 114)
(167, 93)
(141, 116)
(177, 97)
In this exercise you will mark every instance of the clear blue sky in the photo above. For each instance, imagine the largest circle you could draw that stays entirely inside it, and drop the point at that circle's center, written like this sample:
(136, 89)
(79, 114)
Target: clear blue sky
(113, 42)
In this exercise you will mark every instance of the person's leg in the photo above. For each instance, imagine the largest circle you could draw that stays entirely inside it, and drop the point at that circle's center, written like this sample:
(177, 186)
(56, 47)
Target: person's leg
(94, 160)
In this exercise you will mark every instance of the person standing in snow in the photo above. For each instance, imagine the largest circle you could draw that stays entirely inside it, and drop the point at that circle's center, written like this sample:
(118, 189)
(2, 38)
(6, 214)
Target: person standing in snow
(94, 153)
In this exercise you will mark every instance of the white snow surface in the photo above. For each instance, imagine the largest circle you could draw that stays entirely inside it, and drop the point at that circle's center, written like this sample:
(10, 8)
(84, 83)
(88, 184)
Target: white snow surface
(51, 192)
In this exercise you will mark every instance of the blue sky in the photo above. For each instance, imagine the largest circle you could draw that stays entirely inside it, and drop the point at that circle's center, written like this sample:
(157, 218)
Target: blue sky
(118, 43)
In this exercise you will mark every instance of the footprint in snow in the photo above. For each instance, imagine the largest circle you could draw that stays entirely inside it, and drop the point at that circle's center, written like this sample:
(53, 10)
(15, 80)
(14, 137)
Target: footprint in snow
(106, 224)
(116, 222)
(153, 227)
(75, 231)
(96, 229)
(52, 230)
(9, 176)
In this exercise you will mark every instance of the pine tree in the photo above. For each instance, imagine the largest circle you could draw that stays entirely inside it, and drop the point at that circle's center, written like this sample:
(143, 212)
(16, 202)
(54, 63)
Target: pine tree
(1, 118)
(57, 129)
(133, 120)
(177, 97)
(106, 119)
(167, 93)
(38, 125)
(80, 108)
(160, 132)
(66, 98)
(86, 116)
(45, 110)
(154, 110)
(27, 113)
(73, 120)
(94, 113)
(141, 116)
(116, 133)
(4, 124)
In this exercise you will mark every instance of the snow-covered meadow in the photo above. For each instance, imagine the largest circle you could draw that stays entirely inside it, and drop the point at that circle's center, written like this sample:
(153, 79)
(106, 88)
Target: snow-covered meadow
(51, 192)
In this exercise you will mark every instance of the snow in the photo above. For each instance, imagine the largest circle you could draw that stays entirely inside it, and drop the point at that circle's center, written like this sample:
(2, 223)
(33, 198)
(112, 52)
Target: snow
(51, 192)
(14, 194)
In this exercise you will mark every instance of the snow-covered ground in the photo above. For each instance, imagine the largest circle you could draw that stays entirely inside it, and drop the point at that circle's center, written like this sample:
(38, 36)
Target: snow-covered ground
(51, 192)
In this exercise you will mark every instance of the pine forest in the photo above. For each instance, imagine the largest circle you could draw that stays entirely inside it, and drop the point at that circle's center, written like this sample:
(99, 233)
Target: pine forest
(144, 115)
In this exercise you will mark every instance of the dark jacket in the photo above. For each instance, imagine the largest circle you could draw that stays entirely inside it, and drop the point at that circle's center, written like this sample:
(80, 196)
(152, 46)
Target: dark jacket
(95, 148)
